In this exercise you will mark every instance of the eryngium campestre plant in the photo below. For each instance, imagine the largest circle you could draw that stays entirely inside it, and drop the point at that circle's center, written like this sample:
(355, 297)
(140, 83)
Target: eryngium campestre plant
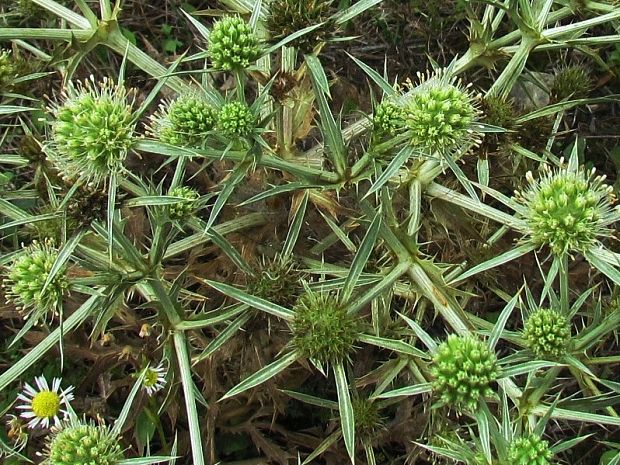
(568, 210)
(529, 450)
(26, 277)
(183, 209)
(572, 82)
(368, 421)
(322, 328)
(547, 333)
(183, 122)
(233, 46)
(439, 114)
(78, 443)
(92, 130)
(289, 16)
(463, 368)
(235, 119)
(388, 119)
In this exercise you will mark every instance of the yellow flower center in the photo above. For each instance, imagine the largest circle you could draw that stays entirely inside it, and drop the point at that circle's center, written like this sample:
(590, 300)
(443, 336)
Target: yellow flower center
(150, 378)
(46, 404)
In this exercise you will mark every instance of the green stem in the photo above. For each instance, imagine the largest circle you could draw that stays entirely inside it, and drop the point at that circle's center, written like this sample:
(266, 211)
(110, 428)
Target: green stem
(564, 286)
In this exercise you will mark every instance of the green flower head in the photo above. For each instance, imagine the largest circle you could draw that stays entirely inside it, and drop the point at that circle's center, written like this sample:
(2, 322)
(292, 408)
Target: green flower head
(567, 209)
(368, 420)
(388, 119)
(26, 277)
(235, 119)
(80, 443)
(92, 131)
(183, 122)
(529, 450)
(572, 82)
(439, 115)
(547, 333)
(8, 70)
(232, 44)
(322, 328)
(463, 368)
(277, 281)
(183, 209)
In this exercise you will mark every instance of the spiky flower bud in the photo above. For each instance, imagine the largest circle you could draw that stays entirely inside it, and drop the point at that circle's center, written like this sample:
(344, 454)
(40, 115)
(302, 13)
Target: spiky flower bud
(235, 119)
(368, 421)
(26, 277)
(232, 44)
(547, 333)
(92, 130)
(79, 443)
(277, 281)
(567, 209)
(529, 450)
(184, 122)
(289, 16)
(8, 70)
(388, 119)
(572, 82)
(439, 115)
(463, 368)
(183, 209)
(322, 328)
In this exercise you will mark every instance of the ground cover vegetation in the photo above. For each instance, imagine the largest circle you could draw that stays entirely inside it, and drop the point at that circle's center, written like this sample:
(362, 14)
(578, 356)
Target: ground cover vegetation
(309, 232)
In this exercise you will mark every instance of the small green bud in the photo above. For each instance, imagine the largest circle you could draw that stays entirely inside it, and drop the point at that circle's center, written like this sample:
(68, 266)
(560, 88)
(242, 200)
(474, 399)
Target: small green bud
(529, 450)
(236, 119)
(232, 44)
(184, 122)
(277, 281)
(571, 82)
(463, 368)
(26, 277)
(8, 71)
(388, 119)
(547, 333)
(183, 209)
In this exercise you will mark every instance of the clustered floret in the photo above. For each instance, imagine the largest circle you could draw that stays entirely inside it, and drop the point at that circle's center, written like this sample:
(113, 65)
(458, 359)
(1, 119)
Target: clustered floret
(388, 118)
(183, 209)
(529, 450)
(8, 70)
(568, 210)
(79, 443)
(184, 122)
(463, 368)
(439, 115)
(92, 131)
(236, 119)
(547, 333)
(233, 45)
(26, 277)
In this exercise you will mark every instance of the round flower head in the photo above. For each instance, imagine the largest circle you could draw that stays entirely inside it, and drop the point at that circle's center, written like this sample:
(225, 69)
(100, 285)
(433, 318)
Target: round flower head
(183, 209)
(567, 209)
(368, 421)
(529, 450)
(80, 443)
(571, 82)
(232, 44)
(43, 405)
(235, 119)
(154, 379)
(439, 114)
(26, 276)
(184, 122)
(322, 328)
(462, 368)
(388, 119)
(547, 333)
(92, 130)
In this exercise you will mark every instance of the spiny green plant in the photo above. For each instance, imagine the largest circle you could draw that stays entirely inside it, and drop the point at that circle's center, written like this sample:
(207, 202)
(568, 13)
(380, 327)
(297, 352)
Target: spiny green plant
(547, 333)
(183, 209)
(232, 46)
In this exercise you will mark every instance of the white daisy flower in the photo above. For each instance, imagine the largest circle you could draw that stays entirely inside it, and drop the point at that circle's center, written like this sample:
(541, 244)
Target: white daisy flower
(154, 378)
(44, 404)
